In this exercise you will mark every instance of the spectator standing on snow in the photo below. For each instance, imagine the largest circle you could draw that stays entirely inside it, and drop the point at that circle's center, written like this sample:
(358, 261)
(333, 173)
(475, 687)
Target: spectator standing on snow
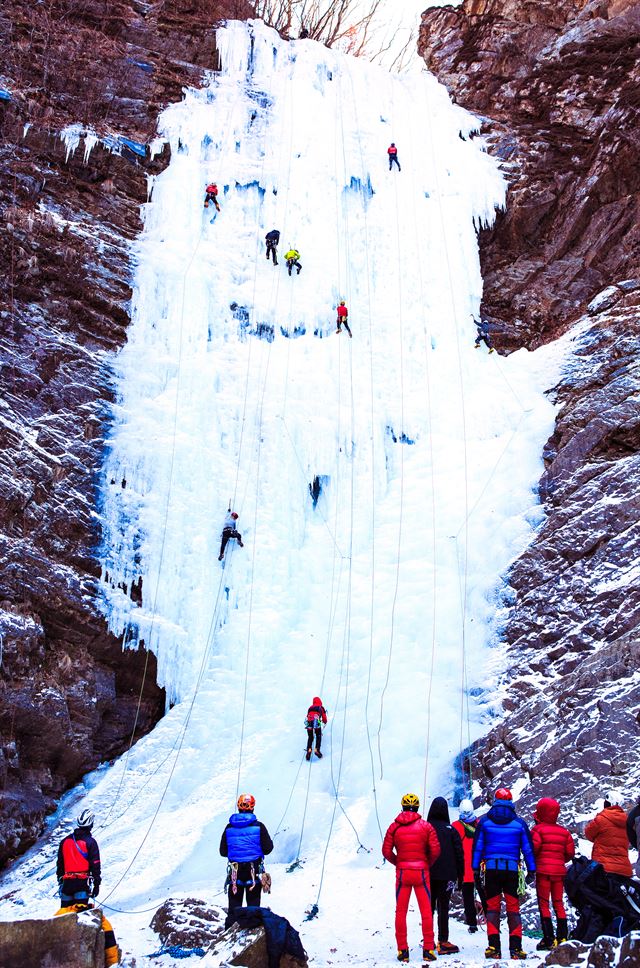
(466, 826)
(392, 152)
(446, 873)
(78, 867)
(411, 845)
(633, 832)
(608, 834)
(553, 848)
(501, 837)
(245, 841)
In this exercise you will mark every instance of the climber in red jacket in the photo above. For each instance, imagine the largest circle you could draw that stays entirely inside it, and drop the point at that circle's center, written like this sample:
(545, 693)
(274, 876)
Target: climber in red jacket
(411, 845)
(316, 719)
(342, 317)
(211, 195)
(553, 848)
(392, 151)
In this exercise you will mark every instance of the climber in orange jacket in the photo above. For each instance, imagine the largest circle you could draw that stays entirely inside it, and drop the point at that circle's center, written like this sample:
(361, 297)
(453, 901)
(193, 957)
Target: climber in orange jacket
(211, 195)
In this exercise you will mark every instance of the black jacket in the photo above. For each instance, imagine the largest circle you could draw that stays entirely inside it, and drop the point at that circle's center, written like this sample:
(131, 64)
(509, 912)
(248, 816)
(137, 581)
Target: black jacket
(273, 236)
(634, 813)
(450, 864)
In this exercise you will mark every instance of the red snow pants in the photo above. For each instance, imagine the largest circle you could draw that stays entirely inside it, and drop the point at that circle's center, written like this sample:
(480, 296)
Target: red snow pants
(406, 881)
(550, 885)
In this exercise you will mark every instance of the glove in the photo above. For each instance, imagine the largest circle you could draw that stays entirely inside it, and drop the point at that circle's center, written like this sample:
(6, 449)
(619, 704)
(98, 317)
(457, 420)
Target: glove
(95, 891)
(530, 878)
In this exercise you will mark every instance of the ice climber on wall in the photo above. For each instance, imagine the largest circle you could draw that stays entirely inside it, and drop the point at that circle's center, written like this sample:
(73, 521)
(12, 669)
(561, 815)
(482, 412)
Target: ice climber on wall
(229, 532)
(411, 845)
(244, 842)
(316, 719)
(500, 839)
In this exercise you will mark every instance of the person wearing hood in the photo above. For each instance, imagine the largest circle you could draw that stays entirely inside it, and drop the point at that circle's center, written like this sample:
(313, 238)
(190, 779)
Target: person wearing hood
(244, 842)
(501, 837)
(446, 872)
(553, 848)
(316, 719)
(411, 845)
(466, 826)
(608, 834)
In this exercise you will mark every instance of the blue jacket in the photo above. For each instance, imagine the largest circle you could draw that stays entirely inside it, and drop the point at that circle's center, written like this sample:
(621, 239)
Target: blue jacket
(245, 838)
(500, 838)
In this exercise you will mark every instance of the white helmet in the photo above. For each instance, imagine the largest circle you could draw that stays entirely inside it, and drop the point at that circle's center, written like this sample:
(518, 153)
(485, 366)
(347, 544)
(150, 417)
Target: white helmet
(86, 819)
(614, 797)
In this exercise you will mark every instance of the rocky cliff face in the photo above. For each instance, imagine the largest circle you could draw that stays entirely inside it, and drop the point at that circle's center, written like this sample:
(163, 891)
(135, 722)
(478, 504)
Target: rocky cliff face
(557, 85)
(69, 696)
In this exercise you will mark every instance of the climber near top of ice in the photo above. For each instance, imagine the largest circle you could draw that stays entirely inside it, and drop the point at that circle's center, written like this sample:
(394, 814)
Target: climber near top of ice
(211, 195)
(272, 238)
(392, 152)
(293, 259)
(483, 334)
(229, 531)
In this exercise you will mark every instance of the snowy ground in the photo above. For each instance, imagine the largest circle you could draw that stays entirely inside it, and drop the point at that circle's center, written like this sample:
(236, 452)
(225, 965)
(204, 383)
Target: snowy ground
(384, 599)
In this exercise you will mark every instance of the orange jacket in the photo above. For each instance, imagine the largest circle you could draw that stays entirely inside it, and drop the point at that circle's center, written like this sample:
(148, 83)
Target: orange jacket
(608, 833)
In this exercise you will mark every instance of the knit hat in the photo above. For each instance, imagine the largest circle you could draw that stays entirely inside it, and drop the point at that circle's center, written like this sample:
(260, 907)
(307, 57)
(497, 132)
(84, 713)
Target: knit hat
(466, 811)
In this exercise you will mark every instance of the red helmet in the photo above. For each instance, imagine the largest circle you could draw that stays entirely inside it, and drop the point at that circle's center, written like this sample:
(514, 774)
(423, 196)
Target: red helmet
(246, 802)
(502, 794)
(234, 515)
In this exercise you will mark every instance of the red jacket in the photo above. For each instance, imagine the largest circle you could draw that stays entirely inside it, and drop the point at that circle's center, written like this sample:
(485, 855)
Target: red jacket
(552, 844)
(392, 150)
(212, 189)
(411, 843)
(316, 711)
(608, 833)
(343, 312)
(466, 831)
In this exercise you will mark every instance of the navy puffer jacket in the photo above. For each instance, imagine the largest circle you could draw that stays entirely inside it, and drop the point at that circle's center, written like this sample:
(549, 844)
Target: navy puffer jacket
(500, 838)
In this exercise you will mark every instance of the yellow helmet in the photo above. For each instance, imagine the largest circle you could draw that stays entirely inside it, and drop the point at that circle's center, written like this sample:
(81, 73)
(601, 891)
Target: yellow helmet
(410, 801)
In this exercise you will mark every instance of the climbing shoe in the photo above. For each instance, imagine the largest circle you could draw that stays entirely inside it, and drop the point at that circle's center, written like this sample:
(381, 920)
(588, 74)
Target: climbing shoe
(446, 948)
(517, 954)
(220, 557)
(308, 755)
(492, 952)
(241, 543)
(429, 955)
(319, 754)
(403, 954)
(473, 929)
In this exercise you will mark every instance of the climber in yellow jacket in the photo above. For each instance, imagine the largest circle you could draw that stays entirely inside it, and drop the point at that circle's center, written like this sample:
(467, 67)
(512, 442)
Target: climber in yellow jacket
(111, 953)
(292, 257)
